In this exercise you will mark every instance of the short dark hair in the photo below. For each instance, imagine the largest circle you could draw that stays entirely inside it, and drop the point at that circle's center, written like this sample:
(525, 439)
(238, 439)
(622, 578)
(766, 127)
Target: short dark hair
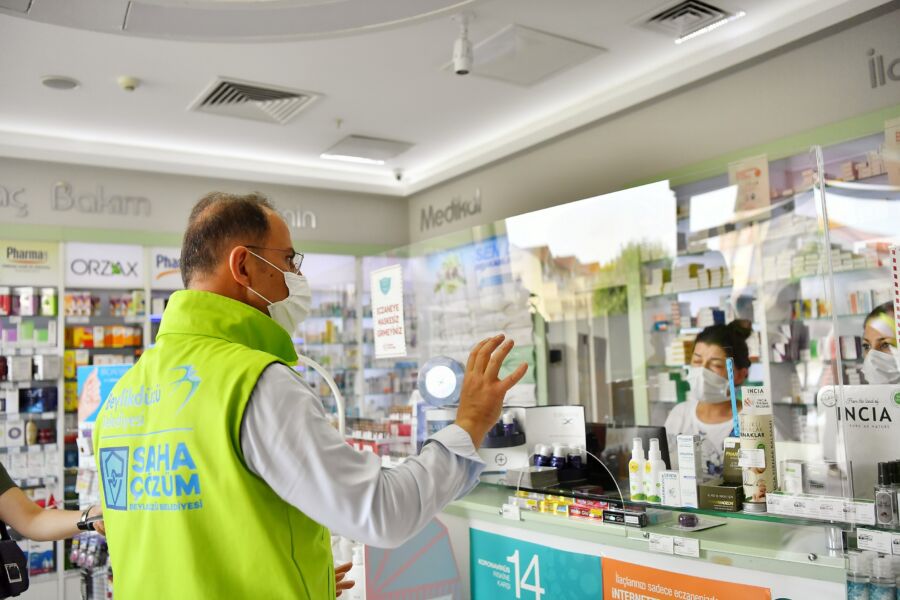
(731, 338)
(217, 221)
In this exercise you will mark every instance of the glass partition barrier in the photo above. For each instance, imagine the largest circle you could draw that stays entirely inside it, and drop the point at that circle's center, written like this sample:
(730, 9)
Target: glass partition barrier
(641, 308)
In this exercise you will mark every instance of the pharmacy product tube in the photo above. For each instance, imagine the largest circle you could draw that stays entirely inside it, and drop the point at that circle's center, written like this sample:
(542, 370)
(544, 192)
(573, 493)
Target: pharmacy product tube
(636, 471)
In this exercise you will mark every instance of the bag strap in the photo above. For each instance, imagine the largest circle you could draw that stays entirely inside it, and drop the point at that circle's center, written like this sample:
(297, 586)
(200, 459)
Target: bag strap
(4, 534)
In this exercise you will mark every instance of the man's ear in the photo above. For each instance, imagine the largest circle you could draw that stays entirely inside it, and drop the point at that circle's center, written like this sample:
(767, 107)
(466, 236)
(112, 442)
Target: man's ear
(237, 264)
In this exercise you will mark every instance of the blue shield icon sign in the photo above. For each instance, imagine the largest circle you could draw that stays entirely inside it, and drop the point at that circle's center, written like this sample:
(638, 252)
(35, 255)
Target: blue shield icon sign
(385, 284)
(114, 470)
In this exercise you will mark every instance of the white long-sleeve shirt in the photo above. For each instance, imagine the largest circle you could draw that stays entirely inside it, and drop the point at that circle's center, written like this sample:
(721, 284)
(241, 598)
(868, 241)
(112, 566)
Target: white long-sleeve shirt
(288, 441)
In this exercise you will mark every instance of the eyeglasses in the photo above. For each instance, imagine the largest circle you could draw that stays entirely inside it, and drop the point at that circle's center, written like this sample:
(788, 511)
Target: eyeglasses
(296, 259)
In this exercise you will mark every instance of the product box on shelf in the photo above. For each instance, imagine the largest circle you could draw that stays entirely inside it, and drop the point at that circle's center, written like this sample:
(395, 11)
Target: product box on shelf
(20, 368)
(11, 402)
(47, 367)
(14, 434)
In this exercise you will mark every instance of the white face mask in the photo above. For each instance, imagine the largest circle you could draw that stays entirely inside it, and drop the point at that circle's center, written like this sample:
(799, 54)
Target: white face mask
(294, 309)
(881, 367)
(707, 386)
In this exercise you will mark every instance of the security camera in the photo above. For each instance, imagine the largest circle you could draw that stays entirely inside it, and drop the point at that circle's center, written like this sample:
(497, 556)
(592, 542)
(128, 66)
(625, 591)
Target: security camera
(128, 84)
(398, 174)
(462, 48)
(462, 56)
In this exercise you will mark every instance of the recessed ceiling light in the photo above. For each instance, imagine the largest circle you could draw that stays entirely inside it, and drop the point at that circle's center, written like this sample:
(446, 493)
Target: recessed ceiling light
(710, 27)
(60, 82)
(353, 159)
(364, 150)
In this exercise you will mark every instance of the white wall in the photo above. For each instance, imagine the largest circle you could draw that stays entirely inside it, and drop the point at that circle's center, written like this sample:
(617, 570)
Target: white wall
(809, 86)
(29, 191)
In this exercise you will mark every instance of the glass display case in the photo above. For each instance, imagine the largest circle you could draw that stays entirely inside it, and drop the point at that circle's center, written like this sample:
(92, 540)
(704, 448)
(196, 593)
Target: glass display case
(745, 321)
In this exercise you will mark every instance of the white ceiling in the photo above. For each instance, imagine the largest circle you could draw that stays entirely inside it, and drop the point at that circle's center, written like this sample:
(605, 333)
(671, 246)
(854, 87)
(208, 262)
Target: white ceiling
(387, 82)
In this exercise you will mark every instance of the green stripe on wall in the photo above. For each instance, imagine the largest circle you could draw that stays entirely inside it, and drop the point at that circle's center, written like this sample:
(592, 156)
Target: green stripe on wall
(158, 238)
(827, 135)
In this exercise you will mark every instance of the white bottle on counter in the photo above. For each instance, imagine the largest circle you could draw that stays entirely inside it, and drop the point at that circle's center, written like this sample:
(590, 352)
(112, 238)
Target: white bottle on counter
(653, 474)
(636, 467)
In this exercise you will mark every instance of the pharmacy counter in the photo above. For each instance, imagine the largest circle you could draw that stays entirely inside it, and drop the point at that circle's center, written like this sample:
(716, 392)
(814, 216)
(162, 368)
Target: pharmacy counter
(576, 558)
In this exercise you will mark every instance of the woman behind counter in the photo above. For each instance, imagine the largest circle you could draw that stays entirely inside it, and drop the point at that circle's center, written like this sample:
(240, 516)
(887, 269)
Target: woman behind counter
(880, 346)
(40, 524)
(707, 412)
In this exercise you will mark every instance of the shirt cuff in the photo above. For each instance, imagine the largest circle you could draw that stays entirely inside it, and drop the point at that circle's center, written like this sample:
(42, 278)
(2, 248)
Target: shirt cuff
(457, 440)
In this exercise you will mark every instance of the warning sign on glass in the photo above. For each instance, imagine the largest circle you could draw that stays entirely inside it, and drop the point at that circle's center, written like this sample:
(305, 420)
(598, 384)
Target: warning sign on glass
(387, 312)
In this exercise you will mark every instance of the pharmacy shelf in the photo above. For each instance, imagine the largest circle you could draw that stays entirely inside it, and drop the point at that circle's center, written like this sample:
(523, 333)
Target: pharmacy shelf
(31, 383)
(676, 294)
(105, 319)
(28, 350)
(26, 416)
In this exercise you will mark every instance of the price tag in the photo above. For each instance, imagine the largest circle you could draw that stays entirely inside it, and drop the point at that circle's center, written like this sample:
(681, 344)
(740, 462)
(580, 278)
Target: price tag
(664, 544)
(687, 547)
(859, 512)
(15, 320)
(895, 543)
(869, 539)
(755, 458)
(511, 512)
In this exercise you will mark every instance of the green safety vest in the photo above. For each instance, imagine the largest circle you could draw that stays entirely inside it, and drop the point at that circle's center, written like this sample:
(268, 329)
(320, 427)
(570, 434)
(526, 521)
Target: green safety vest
(185, 518)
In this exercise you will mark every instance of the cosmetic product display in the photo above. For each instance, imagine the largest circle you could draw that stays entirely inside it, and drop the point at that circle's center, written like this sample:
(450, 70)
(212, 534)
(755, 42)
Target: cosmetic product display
(757, 448)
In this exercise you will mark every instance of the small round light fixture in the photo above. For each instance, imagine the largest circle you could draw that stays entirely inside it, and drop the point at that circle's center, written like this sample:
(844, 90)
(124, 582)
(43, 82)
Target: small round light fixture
(59, 82)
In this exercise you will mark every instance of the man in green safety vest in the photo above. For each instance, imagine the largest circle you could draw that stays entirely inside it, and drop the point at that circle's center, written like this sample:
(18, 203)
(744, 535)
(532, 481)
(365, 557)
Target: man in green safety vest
(220, 473)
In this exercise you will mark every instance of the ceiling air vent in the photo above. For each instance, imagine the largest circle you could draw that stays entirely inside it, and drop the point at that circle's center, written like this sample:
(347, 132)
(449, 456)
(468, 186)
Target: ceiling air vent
(258, 102)
(684, 18)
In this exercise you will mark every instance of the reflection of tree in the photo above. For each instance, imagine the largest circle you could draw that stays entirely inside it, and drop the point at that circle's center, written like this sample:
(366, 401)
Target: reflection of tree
(610, 301)
(610, 280)
(450, 278)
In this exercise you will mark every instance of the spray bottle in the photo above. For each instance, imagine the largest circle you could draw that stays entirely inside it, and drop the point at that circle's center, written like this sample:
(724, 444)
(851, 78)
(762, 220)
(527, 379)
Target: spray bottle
(653, 469)
(636, 468)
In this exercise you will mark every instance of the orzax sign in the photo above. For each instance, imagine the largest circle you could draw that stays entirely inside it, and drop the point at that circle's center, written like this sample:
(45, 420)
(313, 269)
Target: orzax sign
(104, 268)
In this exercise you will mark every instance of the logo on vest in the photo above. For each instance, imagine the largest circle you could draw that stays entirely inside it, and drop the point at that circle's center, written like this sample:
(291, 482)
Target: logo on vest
(188, 375)
(113, 464)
